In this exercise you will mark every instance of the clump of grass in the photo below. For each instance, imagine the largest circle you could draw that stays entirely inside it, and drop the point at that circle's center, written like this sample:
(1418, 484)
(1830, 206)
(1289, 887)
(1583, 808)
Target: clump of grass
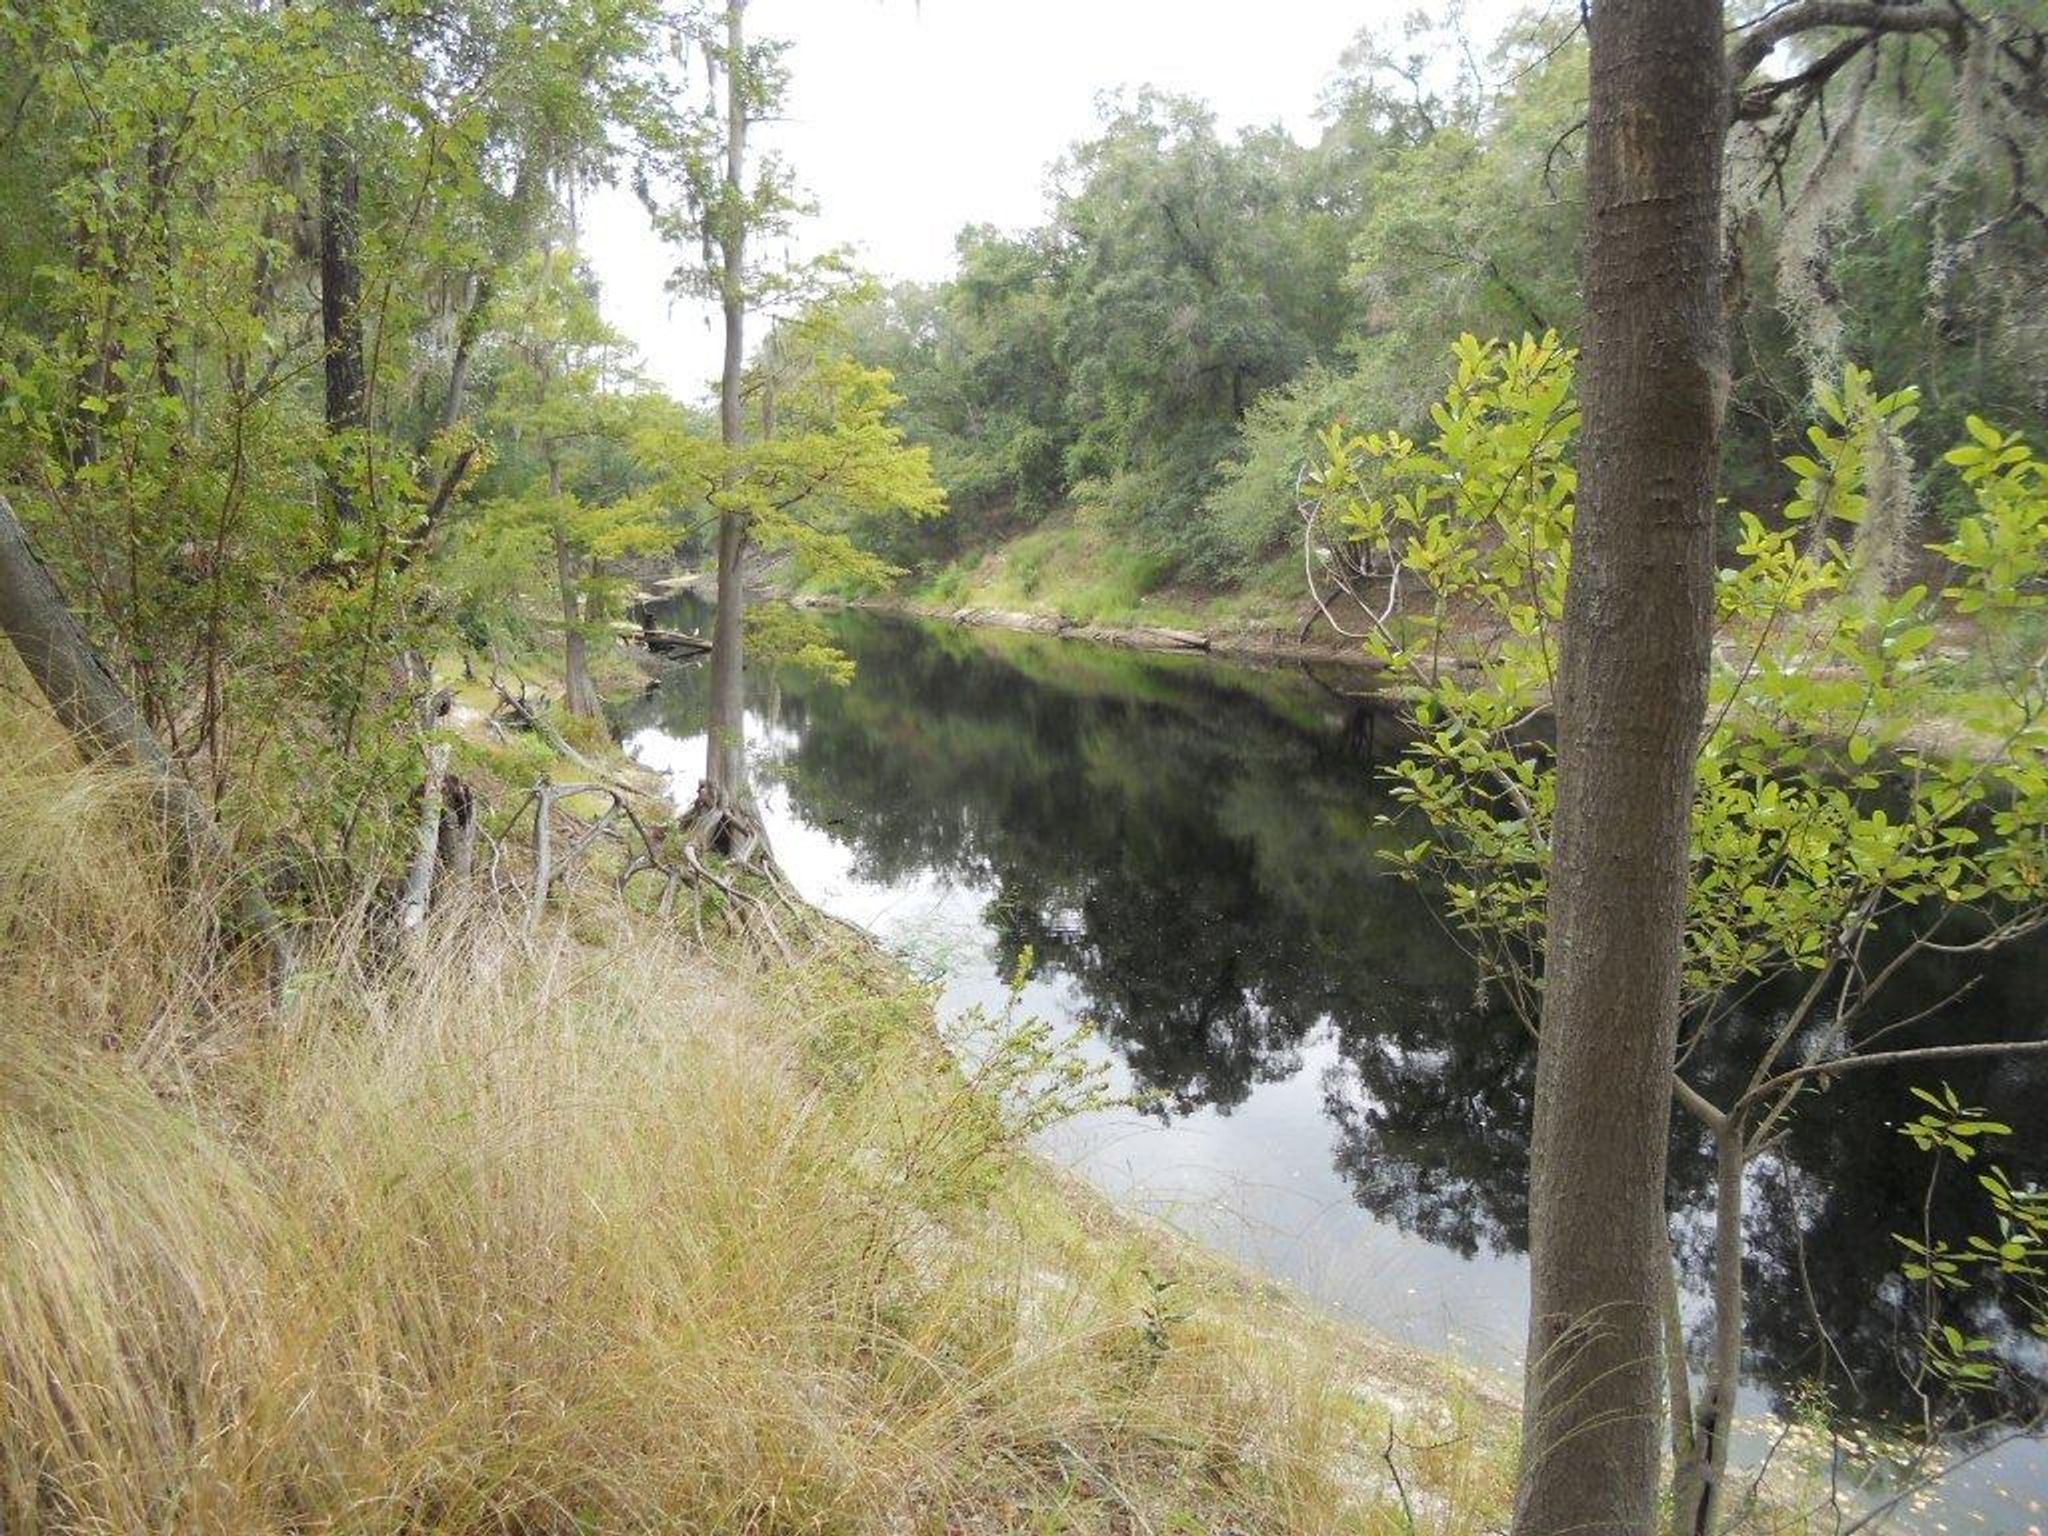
(950, 587)
(97, 945)
(575, 1231)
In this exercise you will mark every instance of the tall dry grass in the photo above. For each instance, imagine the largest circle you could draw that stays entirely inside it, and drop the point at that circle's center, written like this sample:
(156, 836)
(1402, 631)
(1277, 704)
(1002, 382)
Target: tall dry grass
(588, 1232)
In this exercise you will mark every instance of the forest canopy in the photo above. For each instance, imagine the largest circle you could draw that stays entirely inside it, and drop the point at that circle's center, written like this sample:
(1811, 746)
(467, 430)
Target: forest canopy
(1160, 353)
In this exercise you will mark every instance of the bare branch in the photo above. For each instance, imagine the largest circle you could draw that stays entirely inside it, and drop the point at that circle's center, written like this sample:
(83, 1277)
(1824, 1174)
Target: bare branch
(1841, 1064)
(1871, 16)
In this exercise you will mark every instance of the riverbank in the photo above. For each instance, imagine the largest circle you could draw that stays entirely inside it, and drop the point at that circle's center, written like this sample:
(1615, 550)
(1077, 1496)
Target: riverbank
(1192, 853)
(1248, 642)
(1252, 644)
(1065, 579)
(1074, 568)
(593, 1225)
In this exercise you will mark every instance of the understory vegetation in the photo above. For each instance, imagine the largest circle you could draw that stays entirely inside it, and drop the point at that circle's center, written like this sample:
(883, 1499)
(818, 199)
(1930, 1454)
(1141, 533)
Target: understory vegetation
(1860, 796)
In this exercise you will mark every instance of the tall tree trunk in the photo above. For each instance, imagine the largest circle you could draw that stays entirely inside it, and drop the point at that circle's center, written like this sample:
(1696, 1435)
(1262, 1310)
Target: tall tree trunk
(1631, 700)
(87, 701)
(469, 331)
(341, 303)
(579, 694)
(725, 763)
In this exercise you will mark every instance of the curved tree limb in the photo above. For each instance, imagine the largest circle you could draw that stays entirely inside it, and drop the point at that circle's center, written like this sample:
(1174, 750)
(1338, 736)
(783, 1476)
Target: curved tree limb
(1757, 43)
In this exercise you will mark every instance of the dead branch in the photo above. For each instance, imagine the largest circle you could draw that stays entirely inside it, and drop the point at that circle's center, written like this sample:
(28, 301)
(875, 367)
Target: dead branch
(419, 879)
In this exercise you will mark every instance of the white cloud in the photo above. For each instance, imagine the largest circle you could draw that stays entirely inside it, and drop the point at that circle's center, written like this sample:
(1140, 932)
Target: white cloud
(909, 120)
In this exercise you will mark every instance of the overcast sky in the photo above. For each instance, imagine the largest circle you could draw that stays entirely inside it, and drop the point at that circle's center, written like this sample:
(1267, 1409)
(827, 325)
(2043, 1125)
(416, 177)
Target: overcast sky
(909, 120)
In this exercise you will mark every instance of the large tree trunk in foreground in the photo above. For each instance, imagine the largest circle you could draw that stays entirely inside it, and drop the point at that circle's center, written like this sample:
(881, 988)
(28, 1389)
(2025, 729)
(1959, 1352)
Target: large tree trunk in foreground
(725, 762)
(1631, 700)
(341, 303)
(90, 704)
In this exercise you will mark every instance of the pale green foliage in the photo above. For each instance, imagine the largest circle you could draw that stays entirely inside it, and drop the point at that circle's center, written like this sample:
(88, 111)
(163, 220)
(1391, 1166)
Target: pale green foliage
(827, 472)
(558, 407)
(162, 432)
(1034, 1077)
(1852, 773)
(789, 637)
(2004, 547)
(1834, 480)
(2012, 1254)
(682, 170)
(834, 460)
(156, 429)
(1858, 789)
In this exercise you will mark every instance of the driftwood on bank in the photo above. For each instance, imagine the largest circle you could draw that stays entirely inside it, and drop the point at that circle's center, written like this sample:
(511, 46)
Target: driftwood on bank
(1140, 637)
(1143, 637)
(717, 848)
(95, 709)
(530, 714)
(663, 642)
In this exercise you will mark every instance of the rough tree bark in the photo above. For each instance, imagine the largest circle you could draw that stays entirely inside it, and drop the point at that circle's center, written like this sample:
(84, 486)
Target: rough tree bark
(341, 302)
(1631, 701)
(725, 764)
(469, 330)
(97, 712)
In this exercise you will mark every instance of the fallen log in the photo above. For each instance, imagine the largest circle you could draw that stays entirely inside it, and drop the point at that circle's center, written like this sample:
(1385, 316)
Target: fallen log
(530, 716)
(662, 642)
(1142, 637)
(999, 618)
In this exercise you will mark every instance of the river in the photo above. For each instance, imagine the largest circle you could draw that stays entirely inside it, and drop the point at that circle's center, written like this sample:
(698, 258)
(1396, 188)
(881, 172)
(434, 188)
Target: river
(1190, 853)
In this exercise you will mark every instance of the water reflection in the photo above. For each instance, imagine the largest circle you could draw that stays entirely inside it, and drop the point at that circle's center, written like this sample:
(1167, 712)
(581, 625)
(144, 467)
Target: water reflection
(1192, 854)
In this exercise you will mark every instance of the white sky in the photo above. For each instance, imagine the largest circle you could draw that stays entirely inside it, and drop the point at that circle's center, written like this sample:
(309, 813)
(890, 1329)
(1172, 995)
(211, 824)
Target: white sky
(912, 118)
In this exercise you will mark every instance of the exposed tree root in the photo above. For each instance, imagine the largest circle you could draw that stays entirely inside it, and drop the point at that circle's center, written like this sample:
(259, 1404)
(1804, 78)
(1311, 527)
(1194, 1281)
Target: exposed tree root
(716, 854)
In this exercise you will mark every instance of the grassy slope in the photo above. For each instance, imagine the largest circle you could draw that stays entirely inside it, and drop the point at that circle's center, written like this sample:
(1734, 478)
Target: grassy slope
(1073, 567)
(594, 1230)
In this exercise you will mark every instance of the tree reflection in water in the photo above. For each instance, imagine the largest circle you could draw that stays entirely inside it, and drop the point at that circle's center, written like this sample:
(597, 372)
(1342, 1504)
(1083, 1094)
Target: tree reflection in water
(1197, 849)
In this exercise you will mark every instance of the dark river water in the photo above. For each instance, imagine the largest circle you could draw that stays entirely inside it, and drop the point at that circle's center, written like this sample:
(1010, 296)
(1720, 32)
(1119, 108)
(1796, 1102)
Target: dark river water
(1190, 851)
